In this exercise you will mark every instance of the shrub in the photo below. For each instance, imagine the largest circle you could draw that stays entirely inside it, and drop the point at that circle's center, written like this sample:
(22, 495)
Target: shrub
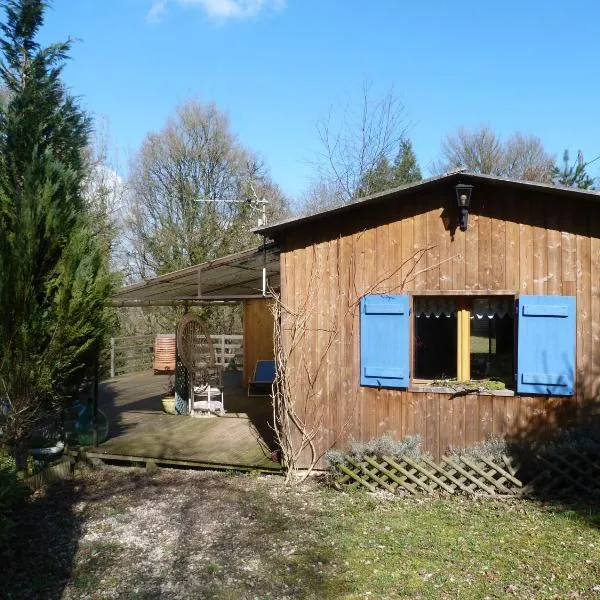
(492, 447)
(410, 446)
(576, 439)
(384, 445)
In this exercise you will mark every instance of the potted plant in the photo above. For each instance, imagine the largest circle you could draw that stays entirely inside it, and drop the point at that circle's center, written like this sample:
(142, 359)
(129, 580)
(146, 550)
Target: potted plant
(168, 397)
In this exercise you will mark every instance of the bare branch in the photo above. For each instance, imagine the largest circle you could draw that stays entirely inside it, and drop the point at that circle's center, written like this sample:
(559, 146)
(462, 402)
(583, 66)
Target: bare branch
(483, 151)
(354, 140)
(302, 351)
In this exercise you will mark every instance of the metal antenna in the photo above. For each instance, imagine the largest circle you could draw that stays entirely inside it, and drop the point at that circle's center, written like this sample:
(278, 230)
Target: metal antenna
(255, 203)
(262, 204)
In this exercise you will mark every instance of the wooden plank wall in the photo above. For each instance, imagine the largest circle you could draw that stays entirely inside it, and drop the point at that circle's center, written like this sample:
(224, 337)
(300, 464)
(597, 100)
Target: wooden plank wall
(258, 334)
(518, 241)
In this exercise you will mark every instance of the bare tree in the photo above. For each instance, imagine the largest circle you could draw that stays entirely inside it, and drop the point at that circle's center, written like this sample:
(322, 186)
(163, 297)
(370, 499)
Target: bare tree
(188, 184)
(483, 151)
(320, 195)
(525, 158)
(354, 139)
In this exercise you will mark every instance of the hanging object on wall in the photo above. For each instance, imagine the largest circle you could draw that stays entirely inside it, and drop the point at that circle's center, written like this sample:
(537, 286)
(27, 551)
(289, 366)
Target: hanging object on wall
(165, 352)
(463, 201)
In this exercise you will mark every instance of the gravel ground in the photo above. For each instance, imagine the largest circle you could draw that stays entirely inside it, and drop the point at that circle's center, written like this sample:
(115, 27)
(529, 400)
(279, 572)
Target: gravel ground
(132, 534)
(126, 533)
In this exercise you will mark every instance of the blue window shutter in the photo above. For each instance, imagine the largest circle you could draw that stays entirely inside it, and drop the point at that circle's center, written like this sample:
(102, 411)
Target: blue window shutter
(546, 351)
(384, 326)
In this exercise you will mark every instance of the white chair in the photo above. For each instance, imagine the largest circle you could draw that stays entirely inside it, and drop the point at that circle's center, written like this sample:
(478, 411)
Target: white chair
(207, 400)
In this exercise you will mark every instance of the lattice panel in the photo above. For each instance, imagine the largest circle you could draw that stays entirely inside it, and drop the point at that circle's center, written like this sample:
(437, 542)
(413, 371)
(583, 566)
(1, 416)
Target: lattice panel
(480, 476)
(568, 473)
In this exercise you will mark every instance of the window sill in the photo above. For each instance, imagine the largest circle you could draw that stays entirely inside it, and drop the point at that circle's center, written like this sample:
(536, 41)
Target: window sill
(458, 390)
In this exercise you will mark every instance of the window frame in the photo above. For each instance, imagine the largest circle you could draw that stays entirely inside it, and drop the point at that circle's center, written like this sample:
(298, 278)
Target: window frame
(532, 350)
(457, 295)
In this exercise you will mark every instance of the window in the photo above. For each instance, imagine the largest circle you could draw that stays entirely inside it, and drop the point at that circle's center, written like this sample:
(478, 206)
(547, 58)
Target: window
(530, 340)
(464, 338)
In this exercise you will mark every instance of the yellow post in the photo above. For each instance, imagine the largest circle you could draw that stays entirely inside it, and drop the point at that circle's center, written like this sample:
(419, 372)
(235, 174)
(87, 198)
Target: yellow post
(463, 359)
(459, 352)
(467, 343)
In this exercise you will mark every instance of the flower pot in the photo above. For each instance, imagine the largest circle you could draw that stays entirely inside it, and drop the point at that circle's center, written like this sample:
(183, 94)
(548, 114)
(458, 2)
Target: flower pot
(168, 404)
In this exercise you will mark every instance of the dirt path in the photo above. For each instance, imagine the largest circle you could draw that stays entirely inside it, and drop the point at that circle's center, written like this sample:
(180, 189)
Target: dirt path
(116, 533)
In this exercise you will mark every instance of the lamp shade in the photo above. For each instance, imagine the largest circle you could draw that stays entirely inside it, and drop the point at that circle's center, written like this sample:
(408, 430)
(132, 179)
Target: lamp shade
(463, 194)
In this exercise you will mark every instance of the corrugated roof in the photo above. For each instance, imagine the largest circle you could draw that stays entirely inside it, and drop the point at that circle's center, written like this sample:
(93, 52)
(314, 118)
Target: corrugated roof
(464, 176)
(232, 277)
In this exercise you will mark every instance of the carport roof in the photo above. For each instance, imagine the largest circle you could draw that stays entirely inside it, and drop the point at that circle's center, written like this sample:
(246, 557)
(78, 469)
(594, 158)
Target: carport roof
(227, 279)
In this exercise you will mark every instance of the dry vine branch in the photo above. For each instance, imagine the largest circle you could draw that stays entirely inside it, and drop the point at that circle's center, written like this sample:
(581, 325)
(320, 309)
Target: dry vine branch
(299, 408)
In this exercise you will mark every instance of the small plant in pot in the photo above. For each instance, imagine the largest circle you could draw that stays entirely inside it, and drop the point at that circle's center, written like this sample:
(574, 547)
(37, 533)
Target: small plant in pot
(168, 397)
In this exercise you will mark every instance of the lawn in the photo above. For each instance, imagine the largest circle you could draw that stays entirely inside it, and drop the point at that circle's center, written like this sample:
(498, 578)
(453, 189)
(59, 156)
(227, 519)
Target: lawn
(125, 533)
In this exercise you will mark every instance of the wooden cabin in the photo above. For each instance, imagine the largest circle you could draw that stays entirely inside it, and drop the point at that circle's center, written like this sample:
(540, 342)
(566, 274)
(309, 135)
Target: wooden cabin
(396, 313)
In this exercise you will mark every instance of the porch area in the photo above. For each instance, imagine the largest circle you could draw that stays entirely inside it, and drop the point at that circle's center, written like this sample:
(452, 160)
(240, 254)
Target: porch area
(140, 431)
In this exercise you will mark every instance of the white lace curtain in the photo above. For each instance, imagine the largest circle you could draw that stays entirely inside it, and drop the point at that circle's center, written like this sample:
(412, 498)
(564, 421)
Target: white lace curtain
(431, 306)
(438, 306)
(491, 307)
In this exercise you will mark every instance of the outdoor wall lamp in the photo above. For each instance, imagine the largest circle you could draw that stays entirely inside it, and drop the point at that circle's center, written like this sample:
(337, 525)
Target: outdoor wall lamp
(463, 200)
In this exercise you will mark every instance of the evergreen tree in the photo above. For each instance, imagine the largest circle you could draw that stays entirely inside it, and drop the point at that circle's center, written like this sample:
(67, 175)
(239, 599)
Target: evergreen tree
(377, 179)
(54, 276)
(384, 176)
(406, 168)
(572, 175)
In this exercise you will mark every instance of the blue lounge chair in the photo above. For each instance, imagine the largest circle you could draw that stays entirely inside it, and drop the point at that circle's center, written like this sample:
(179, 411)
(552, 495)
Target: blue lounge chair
(262, 379)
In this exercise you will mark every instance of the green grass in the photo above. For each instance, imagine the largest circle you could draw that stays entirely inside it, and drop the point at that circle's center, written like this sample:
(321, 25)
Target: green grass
(445, 548)
(480, 344)
(238, 537)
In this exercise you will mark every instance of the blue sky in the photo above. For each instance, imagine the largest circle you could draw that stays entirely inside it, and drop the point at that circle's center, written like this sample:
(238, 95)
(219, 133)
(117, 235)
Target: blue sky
(277, 66)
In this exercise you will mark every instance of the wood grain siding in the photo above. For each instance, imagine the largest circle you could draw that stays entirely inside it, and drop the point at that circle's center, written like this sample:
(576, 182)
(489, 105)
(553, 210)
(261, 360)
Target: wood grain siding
(258, 332)
(518, 241)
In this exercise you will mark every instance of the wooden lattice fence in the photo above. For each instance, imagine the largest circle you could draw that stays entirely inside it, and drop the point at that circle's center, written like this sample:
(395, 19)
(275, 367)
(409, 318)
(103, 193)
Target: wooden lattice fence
(57, 471)
(566, 473)
(473, 476)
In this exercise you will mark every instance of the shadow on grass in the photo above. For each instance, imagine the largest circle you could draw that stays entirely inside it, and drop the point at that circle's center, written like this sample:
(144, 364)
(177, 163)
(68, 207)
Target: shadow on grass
(171, 534)
(39, 563)
(232, 540)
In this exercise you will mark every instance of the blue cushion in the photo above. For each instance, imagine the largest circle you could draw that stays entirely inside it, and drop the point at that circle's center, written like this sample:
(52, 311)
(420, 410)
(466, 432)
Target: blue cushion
(264, 371)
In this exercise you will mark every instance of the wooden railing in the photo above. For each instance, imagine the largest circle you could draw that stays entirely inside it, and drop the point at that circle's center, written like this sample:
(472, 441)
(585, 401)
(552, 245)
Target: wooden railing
(134, 353)
(131, 354)
(228, 347)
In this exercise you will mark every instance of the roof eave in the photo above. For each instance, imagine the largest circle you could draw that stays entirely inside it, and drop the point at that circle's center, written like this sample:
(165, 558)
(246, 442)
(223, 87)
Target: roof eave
(277, 228)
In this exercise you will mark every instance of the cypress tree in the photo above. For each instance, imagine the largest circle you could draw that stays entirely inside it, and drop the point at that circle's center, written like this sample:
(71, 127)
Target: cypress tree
(54, 276)
(406, 168)
(573, 175)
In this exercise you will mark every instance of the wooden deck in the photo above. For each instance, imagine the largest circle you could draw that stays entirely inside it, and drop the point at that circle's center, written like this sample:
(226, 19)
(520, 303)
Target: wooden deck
(242, 438)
